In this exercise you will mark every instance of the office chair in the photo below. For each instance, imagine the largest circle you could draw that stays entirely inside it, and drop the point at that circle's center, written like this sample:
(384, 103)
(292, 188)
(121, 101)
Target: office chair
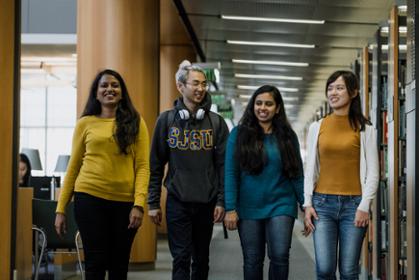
(43, 217)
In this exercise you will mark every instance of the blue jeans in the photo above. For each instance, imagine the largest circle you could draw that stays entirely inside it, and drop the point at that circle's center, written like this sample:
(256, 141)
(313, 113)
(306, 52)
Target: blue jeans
(276, 232)
(335, 229)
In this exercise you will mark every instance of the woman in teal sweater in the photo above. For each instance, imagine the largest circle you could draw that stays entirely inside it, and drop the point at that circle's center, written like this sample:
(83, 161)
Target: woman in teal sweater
(263, 182)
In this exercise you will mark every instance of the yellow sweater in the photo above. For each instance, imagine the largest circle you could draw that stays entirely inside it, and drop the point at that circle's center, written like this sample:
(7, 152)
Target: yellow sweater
(339, 155)
(97, 166)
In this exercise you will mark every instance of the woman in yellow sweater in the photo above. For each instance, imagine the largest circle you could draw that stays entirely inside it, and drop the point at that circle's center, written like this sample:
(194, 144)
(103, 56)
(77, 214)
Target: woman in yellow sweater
(341, 179)
(108, 175)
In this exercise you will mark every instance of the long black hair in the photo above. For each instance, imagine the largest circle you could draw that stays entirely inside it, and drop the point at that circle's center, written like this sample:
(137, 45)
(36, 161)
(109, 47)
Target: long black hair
(127, 118)
(356, 118)
(25, 180)
(249, 149)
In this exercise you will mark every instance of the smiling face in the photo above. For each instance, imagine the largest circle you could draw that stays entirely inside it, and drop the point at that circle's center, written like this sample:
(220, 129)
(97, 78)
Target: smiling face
(194, 89)
(265, 108)
(109, 91)
(338, 95)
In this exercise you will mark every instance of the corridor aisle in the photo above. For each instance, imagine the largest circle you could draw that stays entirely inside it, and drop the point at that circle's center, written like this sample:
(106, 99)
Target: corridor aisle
(226, 258)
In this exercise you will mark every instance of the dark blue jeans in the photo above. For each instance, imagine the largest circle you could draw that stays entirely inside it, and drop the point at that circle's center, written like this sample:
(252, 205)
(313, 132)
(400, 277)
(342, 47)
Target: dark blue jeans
(335, 232)
(189, 228)
(276, 233)
(103, 226)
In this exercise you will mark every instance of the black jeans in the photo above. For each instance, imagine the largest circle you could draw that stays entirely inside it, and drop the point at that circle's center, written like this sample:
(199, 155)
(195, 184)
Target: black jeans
(103, 226)
(189, 227)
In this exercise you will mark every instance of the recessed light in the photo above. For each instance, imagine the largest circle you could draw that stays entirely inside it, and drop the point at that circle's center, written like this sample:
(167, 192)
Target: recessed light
(271, 44)
(268, 62)
(288, 20)
(269, 77)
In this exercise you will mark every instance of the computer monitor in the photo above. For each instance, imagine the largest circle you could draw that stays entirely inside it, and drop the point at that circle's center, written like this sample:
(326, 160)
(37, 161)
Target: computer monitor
(42, 186)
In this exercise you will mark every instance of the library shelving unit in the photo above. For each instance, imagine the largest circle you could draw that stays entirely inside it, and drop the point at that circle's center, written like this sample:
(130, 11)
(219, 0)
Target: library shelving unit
(385, 103)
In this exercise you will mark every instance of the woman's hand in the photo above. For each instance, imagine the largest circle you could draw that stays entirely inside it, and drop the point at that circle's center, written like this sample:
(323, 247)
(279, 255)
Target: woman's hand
(135, 218)
(60, 224)
(309, 214)
(361, 218)
(230, 220)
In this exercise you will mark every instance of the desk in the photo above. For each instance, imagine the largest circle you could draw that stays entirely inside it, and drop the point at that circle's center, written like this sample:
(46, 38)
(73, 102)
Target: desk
(24, 233)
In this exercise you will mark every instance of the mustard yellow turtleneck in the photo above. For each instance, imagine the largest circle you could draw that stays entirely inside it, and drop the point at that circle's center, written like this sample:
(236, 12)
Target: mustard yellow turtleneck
(339, 154)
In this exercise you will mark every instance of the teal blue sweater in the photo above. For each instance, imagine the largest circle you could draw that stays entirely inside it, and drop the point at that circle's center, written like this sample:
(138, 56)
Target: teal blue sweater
(267, 194)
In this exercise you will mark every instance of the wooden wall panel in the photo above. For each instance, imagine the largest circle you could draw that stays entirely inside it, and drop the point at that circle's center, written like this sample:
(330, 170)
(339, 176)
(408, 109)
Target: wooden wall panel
(7, 55)
(170, 58)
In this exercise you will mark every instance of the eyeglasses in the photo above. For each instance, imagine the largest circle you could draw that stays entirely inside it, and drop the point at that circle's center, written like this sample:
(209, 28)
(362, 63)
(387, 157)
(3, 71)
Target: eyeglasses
(197, 85)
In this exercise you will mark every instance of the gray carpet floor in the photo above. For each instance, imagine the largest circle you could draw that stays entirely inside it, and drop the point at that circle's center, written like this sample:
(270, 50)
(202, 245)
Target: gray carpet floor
(226, 258)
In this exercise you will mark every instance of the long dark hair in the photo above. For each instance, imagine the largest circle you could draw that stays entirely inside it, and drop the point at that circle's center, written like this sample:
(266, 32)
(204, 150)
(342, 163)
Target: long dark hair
(249, 149)
(127, 117)
(356, 118)
(25, 180)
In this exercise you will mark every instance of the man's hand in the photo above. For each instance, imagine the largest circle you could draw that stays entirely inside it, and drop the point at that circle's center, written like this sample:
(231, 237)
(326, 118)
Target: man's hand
(155, 215)
(218, 214)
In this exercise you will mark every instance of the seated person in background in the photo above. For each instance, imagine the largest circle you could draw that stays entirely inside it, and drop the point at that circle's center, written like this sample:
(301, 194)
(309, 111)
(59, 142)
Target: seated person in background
(24, 170)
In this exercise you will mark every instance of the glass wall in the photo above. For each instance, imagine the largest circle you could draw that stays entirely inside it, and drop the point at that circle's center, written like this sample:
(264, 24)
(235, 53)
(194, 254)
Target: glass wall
(48, 114)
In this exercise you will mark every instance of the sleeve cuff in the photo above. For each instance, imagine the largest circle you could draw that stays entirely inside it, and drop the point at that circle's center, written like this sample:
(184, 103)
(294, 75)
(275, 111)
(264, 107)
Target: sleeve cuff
(364, 205)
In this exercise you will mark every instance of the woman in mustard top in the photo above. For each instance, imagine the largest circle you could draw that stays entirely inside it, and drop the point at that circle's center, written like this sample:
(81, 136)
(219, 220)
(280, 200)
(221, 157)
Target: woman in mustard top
(341, 179)
(108, 175)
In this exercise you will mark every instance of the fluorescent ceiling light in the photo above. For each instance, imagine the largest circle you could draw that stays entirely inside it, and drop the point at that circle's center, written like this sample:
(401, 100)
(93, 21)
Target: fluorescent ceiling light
(402, 29)
(282, 63)
(285, 98)
(48, 59)
(256, 87)
(385, 47)
(270, 77)
(288, 20)
(402, 8)
(271, 44)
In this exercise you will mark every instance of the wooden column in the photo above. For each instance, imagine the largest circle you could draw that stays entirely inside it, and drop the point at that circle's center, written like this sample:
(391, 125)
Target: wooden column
(124, 36)
(9, 28)
(175, 46)
(393, 143)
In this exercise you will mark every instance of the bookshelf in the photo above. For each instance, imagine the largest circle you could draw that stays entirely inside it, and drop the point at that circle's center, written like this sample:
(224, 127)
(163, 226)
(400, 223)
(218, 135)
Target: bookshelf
(387, 239)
